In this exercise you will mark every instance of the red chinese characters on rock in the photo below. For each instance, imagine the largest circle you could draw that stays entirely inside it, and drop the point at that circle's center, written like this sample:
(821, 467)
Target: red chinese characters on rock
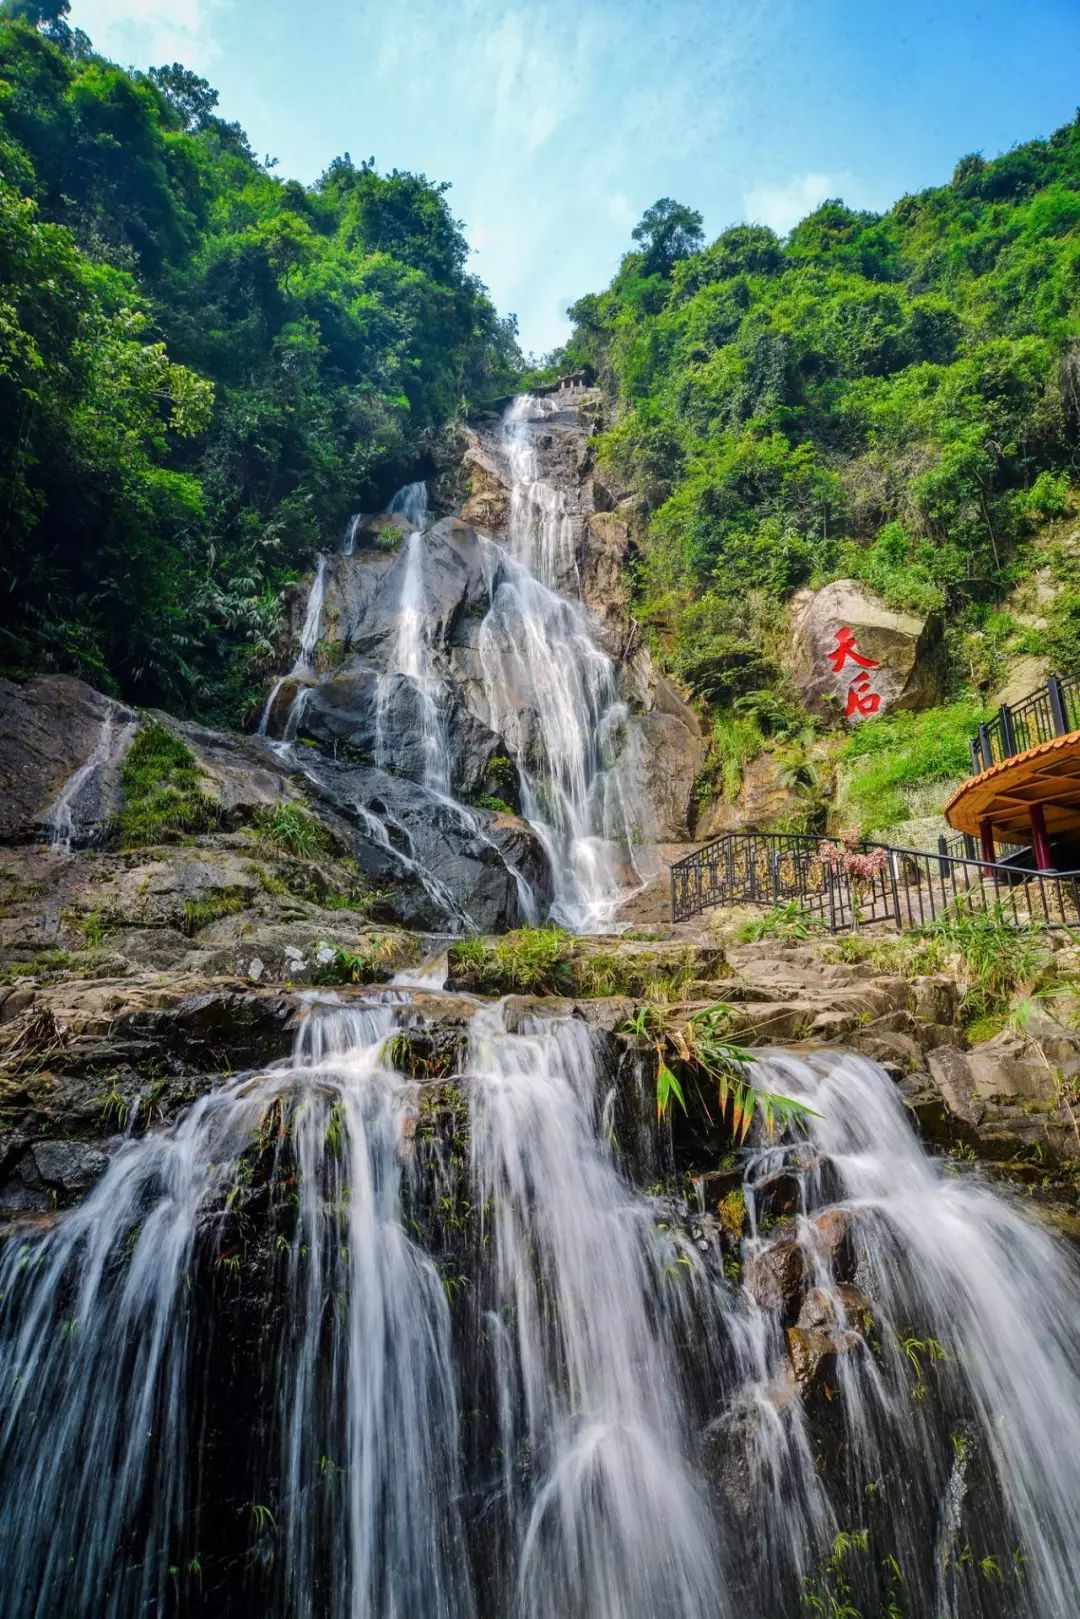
(861, 697)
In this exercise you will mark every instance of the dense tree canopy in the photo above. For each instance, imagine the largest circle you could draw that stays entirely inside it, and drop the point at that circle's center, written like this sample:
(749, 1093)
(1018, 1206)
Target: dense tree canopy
(893, 396)
(668, 231)
(203, 368)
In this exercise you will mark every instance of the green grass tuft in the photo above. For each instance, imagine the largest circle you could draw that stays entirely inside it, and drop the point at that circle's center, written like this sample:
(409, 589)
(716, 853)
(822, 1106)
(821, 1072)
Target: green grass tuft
(293, 828)
(498, 806)
(199, 913)
(529, 961)
(163, 795)
(379, 956)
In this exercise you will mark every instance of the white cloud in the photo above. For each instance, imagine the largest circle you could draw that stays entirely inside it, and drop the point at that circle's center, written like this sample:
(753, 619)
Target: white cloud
(145, 33)
(782, 206)
(621, 210)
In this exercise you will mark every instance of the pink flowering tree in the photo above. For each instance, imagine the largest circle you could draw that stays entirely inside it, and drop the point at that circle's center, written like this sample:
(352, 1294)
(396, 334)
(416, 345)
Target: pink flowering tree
(845, 858)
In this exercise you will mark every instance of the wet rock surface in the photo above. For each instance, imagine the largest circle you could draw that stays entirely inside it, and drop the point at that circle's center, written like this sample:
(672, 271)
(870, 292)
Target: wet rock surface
(49, 728)
(426, 859)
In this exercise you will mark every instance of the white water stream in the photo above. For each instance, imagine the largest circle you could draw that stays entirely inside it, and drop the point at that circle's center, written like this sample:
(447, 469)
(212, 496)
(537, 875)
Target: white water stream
(60, 818)
(419, 1383)
(540, 529)
(549, 689)
(304, 666)
(969, 1298)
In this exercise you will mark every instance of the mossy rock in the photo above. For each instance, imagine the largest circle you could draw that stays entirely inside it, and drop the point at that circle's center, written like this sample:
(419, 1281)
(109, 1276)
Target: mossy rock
(549, 961)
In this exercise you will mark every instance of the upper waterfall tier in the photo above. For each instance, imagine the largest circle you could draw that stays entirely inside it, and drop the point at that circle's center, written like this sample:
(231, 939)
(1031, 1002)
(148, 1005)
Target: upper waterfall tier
(470, 672)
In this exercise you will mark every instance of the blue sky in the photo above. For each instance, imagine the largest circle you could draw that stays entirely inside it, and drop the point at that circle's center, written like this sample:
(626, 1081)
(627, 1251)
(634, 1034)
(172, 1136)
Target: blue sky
(560, 121)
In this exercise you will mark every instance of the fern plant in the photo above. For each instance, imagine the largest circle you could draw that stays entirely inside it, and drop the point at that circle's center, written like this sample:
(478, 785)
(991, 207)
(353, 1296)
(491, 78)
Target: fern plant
(701, 1045)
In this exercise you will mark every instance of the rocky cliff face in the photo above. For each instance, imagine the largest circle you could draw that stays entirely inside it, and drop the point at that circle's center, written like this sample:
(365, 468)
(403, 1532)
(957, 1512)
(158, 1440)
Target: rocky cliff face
(409, 730)
(495, 657)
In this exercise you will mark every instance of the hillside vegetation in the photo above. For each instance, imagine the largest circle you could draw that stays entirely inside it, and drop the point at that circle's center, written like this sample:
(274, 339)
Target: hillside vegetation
(892, 397)
(203, 368)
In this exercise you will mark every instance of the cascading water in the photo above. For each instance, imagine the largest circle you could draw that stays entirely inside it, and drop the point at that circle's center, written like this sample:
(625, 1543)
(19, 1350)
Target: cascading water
(540, 530)
(551, 691)
(304, 666)
(60, 818)
(411, 657)
(598, 1509)
(348, 548)
(119, 1382)
(543, 683)
(411, 502)
(343, 1342)
(974, 1492)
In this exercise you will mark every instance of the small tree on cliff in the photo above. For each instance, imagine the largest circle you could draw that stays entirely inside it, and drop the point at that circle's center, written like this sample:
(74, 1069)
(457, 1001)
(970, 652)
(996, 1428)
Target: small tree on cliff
(668, 232)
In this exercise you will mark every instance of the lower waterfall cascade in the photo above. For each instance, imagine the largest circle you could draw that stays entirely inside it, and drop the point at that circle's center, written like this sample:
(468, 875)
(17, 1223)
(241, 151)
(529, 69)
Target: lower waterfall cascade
(340, 1341)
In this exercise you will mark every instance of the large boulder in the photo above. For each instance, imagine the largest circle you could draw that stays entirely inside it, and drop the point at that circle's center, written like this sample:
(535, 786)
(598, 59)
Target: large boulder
(436, 861)
(1004, 1070)
(487, 502)
(671, 755)
(852, 656)
(432, 862)
(61, 749)
(387, 718)
(455, 580)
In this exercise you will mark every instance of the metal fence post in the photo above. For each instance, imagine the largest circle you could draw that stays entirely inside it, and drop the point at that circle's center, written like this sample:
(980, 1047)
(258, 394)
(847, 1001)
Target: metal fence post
(986, 747)
(1057, 705)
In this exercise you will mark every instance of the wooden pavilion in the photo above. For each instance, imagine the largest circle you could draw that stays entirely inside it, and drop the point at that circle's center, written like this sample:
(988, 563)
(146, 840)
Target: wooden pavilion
(1026, 790)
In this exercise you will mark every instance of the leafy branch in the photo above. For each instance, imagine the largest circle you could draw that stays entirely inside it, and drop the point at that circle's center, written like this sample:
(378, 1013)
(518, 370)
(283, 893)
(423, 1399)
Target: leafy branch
(700, 1045)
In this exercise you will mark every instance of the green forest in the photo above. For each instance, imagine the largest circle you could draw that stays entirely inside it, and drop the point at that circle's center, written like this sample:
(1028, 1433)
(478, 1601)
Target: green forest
(203, 368)
(894, 398)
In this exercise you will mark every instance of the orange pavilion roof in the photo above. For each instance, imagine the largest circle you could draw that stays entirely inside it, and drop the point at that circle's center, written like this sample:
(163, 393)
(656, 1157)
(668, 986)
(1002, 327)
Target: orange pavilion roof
(1048, 774)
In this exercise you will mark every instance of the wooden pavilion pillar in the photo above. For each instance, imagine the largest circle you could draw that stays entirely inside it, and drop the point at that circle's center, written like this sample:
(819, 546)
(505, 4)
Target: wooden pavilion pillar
(986, 843)
(1040, 843)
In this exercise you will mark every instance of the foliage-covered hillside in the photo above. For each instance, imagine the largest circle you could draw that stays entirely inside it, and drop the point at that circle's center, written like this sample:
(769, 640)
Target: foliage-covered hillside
(203, 368)
(891, 397)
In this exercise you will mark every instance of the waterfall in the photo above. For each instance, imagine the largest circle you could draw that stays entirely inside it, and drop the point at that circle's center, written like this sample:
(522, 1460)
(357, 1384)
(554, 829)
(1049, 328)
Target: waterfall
(348, 546)
(602, 1514)
(551, 691)
(344, 1342)
(411, 502)
(540, 679)
(304, 666)
(106, 1361)
(59, 818)
(540, 531)
(305, 1186)
(967, 1291)
(411, 656)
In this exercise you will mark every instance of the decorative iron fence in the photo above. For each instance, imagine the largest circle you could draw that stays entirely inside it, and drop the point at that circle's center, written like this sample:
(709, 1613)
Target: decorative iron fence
(912, 888)
(1051, 711)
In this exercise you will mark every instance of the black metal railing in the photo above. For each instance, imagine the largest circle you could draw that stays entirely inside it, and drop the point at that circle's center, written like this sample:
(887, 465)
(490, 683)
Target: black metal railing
(964, 847)
(1051, 711)
(911, 887)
